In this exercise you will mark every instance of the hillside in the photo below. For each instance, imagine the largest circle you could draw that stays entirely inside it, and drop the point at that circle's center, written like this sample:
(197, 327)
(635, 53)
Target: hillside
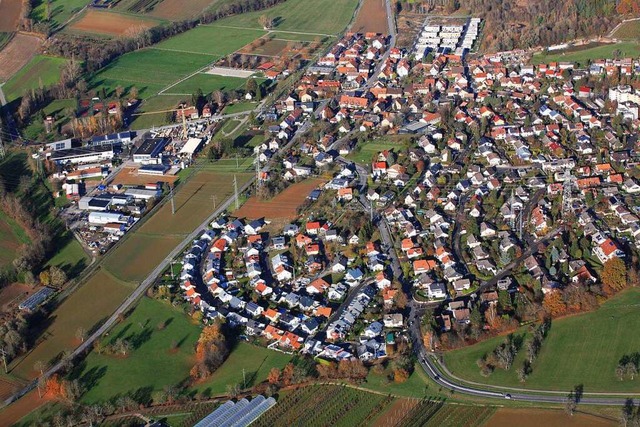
(513, 24)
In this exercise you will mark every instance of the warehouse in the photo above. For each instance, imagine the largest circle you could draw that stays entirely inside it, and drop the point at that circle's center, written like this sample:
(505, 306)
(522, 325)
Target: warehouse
(102, 218)
(142, 193)
(191, 147)
(83, 155)
(150, 151)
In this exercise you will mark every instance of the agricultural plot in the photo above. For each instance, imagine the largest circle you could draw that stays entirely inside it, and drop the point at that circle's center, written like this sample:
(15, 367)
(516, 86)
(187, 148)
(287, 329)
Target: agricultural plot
(597, 341)
(507, 417)
(272, 47)
(61, 11)
(326, 17)
(9, 15)
(330, 406)
(157, 103)
(207, 83)
(41, 69)
(89, 305)
(583, 54)
(211, 40)
(372, 18)
(628, 31)
(256, 362)
(282, 206)
(16, 54)
(11, 237)
(108, 23)
(454, 416)
(162, 342)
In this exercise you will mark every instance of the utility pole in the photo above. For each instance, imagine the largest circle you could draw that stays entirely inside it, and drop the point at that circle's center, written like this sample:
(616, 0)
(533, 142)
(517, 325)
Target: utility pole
(213, 198)
(173, 206)
(257, 164)
(237, 164)
(235, 190)
(1, 144)
(244, 379)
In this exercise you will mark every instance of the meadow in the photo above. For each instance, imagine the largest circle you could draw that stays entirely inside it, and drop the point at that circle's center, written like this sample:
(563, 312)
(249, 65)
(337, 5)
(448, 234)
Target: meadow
(365, 152)
(207, 83)
(628, 31)
(328, 17)
(41, 70)
(256, 362)
(159, 357)
(211, 40)
(583, 349)
(587, 53)
(61, 10)
(11, 237)
(89, 305)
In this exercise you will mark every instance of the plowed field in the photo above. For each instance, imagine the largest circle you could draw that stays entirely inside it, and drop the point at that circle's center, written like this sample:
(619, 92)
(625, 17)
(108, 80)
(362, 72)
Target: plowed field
(17, 54)
(109, 24)
(282, 206)
(9, 15)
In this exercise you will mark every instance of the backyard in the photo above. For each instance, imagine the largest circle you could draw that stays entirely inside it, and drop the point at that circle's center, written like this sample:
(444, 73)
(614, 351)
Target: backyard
(583, 349)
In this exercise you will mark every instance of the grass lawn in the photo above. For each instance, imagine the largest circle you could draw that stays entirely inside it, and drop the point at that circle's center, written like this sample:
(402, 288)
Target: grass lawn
(256, 362)
(416, 386)
(41, 69)
(324, 17)
(70, 257)
(583, 349)
(12, 236)
(211, 41)
(590, 53)
(365, 152)
(157, 103)
(298, 37)
(152, 364)
(35, 130)
(229, 126)
(89, 305)
(239, 107)
(207, 83)
(628, 31)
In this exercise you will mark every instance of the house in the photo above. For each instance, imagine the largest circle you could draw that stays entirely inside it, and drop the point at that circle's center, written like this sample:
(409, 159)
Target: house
(394, 320)
(607, 250)
(436, 290)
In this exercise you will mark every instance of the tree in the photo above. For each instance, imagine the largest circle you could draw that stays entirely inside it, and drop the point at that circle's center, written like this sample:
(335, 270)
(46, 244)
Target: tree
(522, 374)
(81, 334)
(58, 276)
(252, 86)
(265, 22)
(45, 278)
(39, 366)
(614, 275)
(274, 376)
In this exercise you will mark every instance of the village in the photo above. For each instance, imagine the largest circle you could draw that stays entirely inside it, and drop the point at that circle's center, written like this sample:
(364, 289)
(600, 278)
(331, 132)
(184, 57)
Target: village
(486, 173)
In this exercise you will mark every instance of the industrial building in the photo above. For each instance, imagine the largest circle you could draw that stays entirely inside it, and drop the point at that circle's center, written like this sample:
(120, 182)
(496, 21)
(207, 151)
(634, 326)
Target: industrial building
(150, 151)
(83, 154)
(102, 218)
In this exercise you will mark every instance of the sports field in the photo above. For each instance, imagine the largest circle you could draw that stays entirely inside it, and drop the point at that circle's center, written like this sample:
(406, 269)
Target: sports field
(583, 349)
(325, 17)
(41, 69)
(582, 55)
(152, 364)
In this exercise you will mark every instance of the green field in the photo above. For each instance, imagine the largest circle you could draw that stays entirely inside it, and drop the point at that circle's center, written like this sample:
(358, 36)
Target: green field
(152, 364)
(211, 41)
(41, 70)
(582, 56)
(36, 130)
(157, 103)
(61, 10)
(628, 31)
(239, 107)
(365, 152)
(11, 237)
(208, 83)
(88, 306)
(256, 362)
(70, 257)
(583, 349)
(325, 17)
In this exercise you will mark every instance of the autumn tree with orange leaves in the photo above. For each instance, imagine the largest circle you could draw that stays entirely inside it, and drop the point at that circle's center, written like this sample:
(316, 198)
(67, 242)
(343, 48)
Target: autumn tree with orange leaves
(554, 304)
(211, 351)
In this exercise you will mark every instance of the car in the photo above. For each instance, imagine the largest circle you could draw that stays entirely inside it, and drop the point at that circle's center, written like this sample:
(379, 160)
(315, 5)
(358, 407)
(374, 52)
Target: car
(507, 396)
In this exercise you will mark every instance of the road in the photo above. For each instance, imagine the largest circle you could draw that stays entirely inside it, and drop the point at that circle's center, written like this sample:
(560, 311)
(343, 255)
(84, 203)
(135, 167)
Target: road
(392, 43)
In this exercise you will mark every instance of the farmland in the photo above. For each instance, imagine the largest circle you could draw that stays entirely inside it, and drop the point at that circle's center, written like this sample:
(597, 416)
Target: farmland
(41, 69)
(211, 40)
(628, 31)
(325, 17)
(108, 23)
(16, 54)
(152, 364)
(506, 417)
(256, 361)
(207, 82)
(61, 11)
(173, 10)
(372, 18)
(604, 335)
(11, 237)
(9, 15)
(589, 52)
(92, 303)
(330, 406)
(282, 206)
